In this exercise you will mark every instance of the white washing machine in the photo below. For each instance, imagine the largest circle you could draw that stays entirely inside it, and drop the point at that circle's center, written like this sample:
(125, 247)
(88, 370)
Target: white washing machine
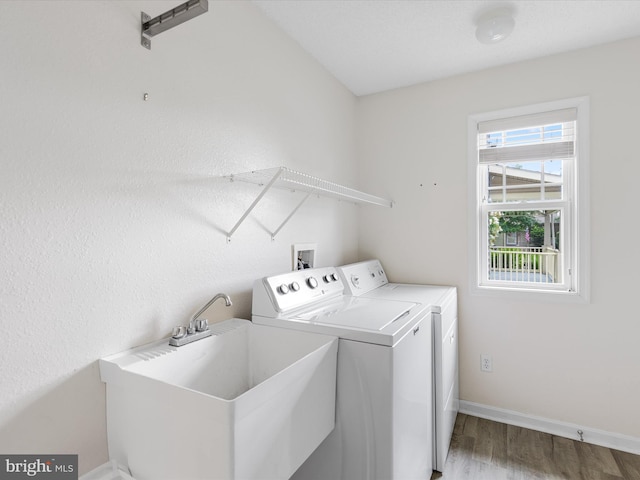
(383, 397)
(368, 280)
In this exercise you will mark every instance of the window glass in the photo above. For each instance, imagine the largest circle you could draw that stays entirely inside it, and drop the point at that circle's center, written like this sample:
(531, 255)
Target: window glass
(525, 246)
(525, 181)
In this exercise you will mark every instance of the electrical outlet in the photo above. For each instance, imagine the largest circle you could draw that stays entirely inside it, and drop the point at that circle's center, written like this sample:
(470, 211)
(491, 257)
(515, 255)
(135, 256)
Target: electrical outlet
(486, 363)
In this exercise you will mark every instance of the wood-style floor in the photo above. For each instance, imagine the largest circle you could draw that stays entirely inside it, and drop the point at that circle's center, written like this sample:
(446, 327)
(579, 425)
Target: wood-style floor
(486, 450)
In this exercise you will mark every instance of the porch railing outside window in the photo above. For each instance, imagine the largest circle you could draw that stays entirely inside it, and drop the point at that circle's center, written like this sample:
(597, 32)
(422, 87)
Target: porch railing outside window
(524, 264)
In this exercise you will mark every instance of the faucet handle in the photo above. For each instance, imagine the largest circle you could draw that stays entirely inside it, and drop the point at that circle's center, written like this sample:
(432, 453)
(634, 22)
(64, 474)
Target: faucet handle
(202, 325)
(179, 332)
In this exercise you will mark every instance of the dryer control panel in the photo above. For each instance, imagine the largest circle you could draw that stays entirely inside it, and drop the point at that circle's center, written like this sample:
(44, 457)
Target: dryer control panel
(362, 277)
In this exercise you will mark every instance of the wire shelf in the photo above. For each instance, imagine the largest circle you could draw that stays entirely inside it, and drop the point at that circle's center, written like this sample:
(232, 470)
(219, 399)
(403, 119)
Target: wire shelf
(291, 180)
(285, 178)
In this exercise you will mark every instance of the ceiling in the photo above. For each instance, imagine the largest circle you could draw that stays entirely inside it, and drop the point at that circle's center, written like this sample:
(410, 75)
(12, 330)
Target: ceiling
(377, 45)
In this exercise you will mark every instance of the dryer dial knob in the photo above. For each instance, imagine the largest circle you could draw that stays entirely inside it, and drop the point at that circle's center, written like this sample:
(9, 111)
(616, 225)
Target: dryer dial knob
(355, 280)
(312, 282)
(327, 279)
(334, 277)
(283, 289)
(295, 286)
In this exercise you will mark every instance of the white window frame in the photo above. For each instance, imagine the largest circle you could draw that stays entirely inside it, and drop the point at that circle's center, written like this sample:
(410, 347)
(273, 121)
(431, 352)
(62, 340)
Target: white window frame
(575, 214)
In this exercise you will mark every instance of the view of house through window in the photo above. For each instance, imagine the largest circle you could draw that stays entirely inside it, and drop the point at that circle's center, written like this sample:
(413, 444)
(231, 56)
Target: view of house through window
(527, 200)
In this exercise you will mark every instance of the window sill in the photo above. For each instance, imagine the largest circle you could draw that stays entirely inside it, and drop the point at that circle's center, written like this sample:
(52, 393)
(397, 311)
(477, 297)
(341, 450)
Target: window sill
(529, 294)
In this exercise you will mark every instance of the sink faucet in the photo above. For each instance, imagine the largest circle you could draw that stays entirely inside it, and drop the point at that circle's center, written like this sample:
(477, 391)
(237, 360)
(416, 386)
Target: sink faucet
(197, 328)
(192, 323)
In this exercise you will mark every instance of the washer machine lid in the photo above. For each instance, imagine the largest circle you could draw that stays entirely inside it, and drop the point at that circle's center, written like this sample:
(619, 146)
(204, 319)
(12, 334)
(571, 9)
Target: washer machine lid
(368, 320)
(358, 313)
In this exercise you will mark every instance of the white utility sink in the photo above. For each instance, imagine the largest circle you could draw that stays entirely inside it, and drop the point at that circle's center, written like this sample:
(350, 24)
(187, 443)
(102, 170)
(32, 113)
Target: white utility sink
(250, 402)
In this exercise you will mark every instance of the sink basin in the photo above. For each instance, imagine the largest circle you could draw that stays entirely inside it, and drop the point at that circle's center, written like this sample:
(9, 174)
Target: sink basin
(249, 402)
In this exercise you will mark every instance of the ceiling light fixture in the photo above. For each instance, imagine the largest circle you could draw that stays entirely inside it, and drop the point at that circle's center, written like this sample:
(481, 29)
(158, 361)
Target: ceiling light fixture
(495, 26)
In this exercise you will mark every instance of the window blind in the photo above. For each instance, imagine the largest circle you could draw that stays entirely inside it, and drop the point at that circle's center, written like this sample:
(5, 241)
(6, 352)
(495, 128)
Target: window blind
(541, 136)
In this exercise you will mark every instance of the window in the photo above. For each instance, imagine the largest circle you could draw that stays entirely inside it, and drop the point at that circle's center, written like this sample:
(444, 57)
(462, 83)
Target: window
(529, 207)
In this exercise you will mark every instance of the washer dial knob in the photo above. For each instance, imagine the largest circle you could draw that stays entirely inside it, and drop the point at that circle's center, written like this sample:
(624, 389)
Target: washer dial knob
(312, 282)
(283, 289)
(295, 286)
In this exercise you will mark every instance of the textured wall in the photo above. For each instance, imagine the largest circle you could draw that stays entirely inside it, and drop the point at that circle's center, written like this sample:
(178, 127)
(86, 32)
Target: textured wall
(113, 209)
(574, 363)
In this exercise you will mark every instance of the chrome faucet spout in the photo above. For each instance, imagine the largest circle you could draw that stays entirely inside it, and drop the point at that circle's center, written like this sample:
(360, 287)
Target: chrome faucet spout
(219, 296)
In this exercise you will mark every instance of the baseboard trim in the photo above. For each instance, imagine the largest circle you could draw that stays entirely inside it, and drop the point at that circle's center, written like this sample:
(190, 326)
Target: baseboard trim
(603, 438)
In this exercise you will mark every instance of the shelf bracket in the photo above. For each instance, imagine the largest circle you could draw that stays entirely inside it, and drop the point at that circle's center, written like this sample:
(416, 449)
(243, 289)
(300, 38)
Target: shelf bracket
(255, 202)
(273, 236)
(150, 27)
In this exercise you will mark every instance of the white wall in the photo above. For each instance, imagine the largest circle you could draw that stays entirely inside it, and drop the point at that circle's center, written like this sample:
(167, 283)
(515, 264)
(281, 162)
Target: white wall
(570, 363)
(113, 210)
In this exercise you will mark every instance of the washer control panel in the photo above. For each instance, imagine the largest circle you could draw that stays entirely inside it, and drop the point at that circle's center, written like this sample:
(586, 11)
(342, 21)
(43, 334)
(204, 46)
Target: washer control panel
(302, 287)
(362, 277)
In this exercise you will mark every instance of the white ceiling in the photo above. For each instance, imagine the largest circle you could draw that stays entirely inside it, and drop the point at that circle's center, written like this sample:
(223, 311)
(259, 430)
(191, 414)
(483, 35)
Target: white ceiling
(377, 45)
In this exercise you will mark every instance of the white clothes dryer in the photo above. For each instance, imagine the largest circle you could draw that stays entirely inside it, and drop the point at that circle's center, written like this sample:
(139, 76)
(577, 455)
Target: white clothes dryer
(383, 425)
(369, 280)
